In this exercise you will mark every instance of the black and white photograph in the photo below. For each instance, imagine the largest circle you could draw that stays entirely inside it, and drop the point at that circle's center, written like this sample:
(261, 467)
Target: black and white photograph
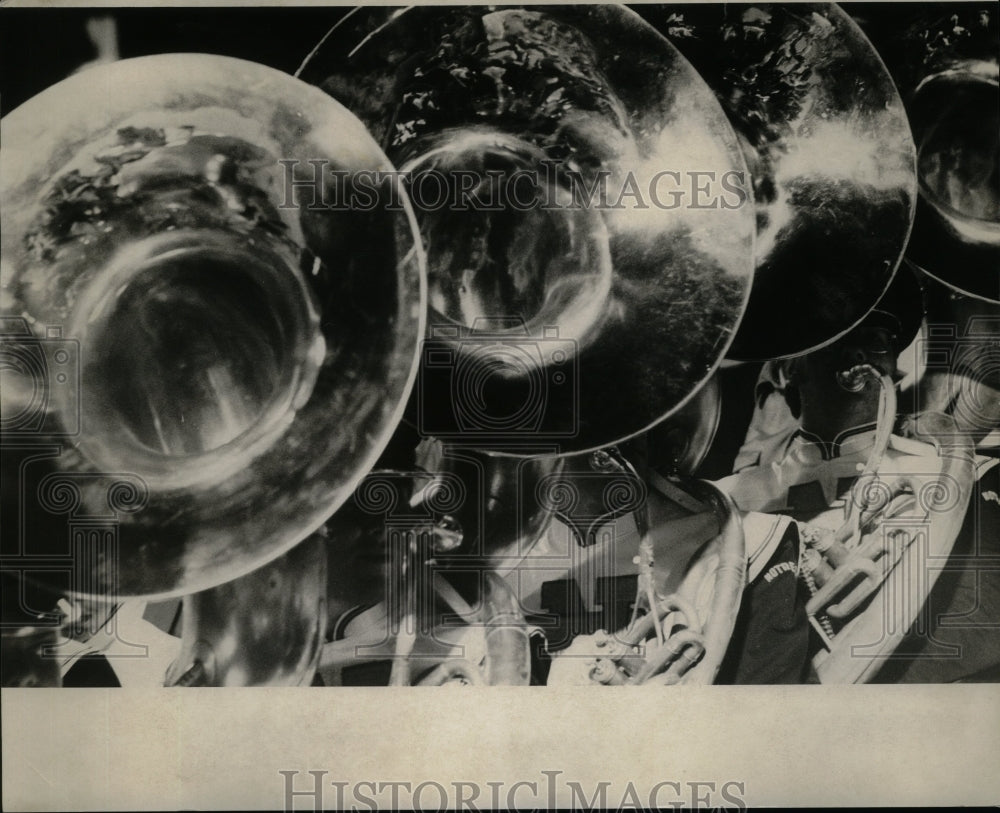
(630, 373)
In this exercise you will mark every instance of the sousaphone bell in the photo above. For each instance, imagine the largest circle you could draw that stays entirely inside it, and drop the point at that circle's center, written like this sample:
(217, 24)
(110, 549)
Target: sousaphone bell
(204, 357)
(831, 157)
(560, 322)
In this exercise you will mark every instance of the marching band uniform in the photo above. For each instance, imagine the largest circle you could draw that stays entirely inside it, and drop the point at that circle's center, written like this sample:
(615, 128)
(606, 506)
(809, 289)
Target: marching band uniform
(785, 470)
